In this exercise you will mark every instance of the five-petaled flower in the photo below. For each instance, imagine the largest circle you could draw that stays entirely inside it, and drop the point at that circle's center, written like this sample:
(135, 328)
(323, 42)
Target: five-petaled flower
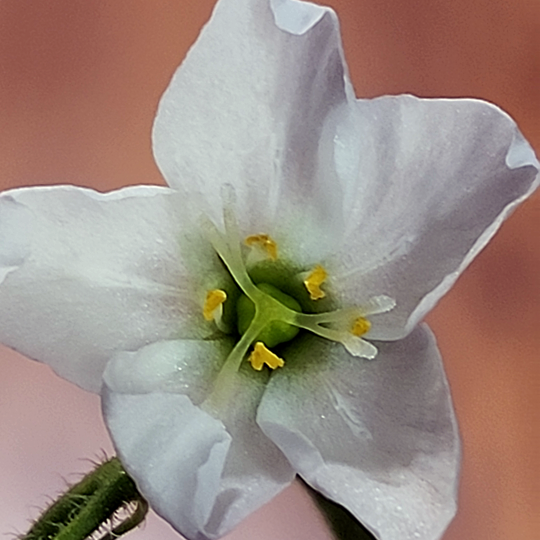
(260, 318)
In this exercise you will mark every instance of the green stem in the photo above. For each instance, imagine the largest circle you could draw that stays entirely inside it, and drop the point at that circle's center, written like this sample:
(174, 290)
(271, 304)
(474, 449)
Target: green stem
(91, 504)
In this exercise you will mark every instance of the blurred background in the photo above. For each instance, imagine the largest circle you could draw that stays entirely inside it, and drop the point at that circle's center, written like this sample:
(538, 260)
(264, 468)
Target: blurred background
(79, 85)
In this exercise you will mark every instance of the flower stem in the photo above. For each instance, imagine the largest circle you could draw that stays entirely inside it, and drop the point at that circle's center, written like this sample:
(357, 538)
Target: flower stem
(90, 505)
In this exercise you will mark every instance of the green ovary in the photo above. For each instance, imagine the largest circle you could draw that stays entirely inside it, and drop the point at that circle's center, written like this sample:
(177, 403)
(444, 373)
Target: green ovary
(275, 331)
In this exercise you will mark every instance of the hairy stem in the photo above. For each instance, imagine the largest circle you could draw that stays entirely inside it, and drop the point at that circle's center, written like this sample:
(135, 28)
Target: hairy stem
(91, 504)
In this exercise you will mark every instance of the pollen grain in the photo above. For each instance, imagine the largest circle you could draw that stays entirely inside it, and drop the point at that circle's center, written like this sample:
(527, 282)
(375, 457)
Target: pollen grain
(265, 242)
(214, 300)
(261, 355)
(360, 327)
(314, 281)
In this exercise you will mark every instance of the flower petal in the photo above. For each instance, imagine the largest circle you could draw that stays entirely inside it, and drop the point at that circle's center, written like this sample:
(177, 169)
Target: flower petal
(202, 474)
(172, 366)
(255, 122)
(378, 437)
(86, 274)
(427, 183)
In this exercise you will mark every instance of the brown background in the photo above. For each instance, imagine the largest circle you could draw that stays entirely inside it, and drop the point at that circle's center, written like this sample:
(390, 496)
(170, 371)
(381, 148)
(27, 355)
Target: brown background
(79, 85)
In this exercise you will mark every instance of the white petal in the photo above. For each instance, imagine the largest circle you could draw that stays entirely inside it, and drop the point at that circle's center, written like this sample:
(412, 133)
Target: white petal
(185, 366)
(175, 452)
(427, 184)
(201, 474)
(296, 17)
(378, 437)
(247, 108)
(86, 274)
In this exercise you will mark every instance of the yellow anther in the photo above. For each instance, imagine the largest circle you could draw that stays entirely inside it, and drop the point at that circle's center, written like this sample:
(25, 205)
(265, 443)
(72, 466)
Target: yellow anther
(314, 281)
(264, 242)
(261, 355)
(360, 327)
(214, 300)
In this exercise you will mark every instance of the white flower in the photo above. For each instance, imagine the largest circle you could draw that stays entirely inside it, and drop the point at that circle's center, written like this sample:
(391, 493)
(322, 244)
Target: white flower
(380, 204)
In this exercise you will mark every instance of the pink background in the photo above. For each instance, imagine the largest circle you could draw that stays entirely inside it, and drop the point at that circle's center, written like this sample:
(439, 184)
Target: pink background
(79, 85)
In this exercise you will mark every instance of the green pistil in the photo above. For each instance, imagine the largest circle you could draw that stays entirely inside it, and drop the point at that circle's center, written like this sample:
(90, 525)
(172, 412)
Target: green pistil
(275, 331)
(268, 312)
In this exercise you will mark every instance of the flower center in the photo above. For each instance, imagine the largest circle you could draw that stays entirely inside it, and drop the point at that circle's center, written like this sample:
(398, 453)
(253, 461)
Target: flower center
(275, 331)
(274, 303)
(271, 309)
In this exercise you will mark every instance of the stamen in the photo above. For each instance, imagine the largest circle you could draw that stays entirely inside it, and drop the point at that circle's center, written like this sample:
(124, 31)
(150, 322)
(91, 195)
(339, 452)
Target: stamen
(261, 355)
(314, 281)
(213, 305)
(354, 344)
(265, 243)
(360, 327)
(346, 326)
